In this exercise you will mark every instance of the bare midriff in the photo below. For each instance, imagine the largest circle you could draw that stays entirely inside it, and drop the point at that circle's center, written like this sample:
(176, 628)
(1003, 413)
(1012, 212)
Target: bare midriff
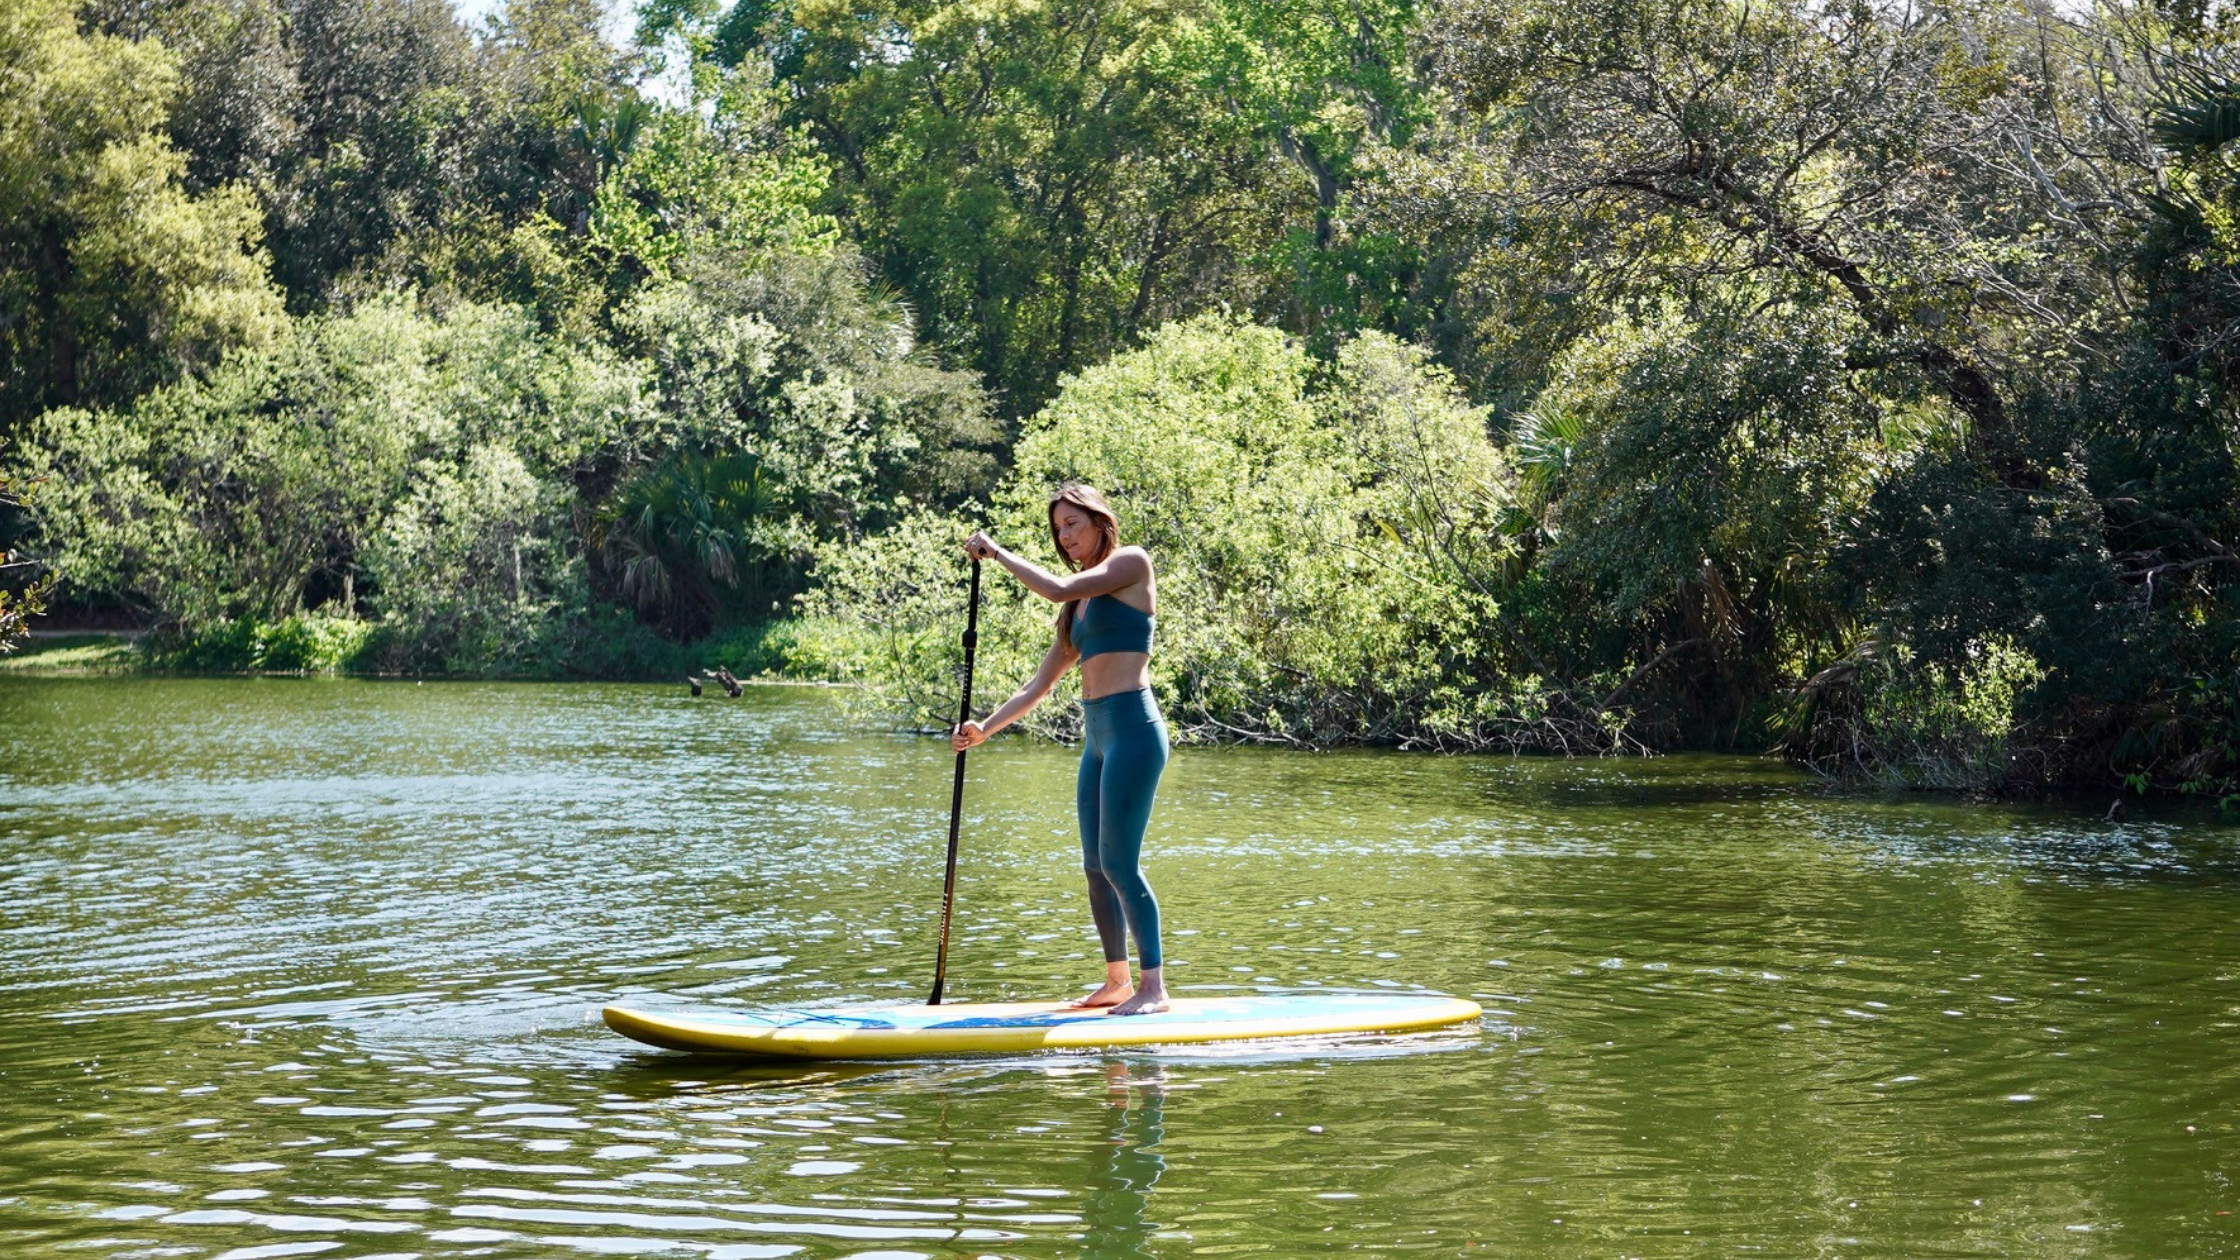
(1110, 673)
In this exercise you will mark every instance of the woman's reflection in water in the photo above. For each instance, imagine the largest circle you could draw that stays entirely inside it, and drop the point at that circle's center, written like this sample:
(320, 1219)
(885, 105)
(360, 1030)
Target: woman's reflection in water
(1113, 1210)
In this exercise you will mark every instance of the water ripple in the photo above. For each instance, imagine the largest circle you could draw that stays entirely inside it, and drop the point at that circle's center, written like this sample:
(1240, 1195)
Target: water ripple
(304, 968)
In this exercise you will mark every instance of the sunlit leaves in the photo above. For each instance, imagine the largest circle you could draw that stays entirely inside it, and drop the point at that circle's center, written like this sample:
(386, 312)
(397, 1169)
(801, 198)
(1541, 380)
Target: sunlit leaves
(1322, 535)
(113, 278)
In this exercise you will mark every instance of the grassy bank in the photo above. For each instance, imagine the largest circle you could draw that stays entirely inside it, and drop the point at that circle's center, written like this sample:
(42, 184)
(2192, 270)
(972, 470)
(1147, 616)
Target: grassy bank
(98, 652)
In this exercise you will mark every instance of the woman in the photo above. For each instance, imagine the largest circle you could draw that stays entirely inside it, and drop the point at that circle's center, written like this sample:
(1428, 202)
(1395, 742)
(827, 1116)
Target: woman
(1105, 625)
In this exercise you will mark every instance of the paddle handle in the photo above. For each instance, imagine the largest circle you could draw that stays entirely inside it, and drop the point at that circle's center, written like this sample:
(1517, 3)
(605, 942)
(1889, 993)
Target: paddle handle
(956, 789)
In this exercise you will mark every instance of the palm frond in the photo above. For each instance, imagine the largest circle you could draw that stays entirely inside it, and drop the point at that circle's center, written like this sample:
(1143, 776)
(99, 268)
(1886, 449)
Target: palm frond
(2201, 113)
(1546, 442)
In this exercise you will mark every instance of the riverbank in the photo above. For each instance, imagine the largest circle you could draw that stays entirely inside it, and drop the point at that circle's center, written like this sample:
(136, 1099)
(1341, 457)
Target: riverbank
(77, 652)
(902, 673)
(313, 644)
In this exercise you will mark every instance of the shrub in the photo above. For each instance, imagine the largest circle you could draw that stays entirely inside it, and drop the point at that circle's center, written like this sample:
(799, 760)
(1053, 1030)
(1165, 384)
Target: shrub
(802, 650)
(1315, 527)
(252, 494)
(306, 643)
(1885, 716)
(311, 643)
(889, 611)
(471, 572)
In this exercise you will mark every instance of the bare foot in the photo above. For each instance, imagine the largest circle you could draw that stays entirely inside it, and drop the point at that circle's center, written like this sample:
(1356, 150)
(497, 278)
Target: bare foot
(1149, 1000)
(1112, 993)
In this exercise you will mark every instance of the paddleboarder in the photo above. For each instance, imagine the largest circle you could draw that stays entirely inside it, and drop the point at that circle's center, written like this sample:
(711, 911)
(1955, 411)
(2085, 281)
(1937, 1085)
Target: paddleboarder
(1104, 625)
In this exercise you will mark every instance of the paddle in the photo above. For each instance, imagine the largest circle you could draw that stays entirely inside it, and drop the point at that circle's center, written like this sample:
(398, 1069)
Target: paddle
(956, 790)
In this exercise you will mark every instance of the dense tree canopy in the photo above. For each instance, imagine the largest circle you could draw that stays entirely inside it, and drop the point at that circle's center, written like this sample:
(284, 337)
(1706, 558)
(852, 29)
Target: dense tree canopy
(1047, 183)
(1848, 377)
(114, 277)
(1847, 317)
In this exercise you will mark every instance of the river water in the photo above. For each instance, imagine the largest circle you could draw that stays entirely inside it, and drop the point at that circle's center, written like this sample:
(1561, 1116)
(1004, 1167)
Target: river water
(306, 967)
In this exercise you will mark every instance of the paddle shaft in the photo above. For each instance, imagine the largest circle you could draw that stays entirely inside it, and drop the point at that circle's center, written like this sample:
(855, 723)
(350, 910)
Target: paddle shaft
(956, 789)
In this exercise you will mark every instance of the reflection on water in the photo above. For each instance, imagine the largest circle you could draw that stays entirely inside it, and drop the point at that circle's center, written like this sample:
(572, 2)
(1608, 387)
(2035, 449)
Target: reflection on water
(1115, 1210)
(312, 968)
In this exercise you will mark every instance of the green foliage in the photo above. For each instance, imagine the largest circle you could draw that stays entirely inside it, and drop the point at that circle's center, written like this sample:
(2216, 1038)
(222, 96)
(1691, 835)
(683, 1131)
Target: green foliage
(388, 108)
(1697, 497)
(1752, 333)
(632, 196)
(1314, 533)
(792, 650)
(888, 610)
(796, 362)
(694, 535)
(1041, 182)
(1046, 184)
(312, 644)
(1820, 326)
(479, 486)
(1887, 206)
(1741, 461)
(1325, 87)
(1885, 716)
(113, 277)
(471, 572)
(20, 599)
(173, 505)
(695, 183)
(306, 643)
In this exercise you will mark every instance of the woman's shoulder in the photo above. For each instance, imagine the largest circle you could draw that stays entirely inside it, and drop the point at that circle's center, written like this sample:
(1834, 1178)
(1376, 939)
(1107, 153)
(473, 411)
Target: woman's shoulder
(1132, 555)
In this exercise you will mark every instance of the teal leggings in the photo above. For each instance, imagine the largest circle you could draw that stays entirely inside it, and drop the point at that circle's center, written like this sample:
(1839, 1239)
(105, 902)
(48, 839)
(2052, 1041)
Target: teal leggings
(1123, 751)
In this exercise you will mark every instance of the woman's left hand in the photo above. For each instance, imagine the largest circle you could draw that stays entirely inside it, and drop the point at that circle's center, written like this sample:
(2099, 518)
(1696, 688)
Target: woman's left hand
(980, 546)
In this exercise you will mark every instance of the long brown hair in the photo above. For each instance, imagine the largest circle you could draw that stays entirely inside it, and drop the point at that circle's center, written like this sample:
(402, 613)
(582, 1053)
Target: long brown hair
(1092, 502)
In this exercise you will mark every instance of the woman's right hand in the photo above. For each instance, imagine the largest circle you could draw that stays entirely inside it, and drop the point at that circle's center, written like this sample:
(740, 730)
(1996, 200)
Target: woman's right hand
(967, 735)
(980, 546)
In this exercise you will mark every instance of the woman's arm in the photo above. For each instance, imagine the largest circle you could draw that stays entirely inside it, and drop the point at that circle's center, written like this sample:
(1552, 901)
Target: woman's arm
(1123, 568)
(1055, 663)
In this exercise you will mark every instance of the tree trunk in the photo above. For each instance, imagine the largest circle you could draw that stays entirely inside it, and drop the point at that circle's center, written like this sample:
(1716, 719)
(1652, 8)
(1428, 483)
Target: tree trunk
(62, 334)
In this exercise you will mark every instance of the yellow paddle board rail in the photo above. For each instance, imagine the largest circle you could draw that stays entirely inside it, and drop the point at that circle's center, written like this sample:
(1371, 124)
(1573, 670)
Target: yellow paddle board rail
(908, 1032)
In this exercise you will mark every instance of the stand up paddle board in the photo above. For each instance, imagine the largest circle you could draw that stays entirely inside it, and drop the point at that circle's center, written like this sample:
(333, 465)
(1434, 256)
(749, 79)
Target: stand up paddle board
(909, 1032)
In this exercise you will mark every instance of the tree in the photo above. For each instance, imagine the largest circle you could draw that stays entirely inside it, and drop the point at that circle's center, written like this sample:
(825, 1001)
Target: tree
(253, 492)
(239, 110)
(384, 110)
(1876, 161)
(1041, 182)
(113, 277)
(1893, 382)
(25, 601)
(1324, 85)
(795, 407)
(365, 127)
(1315, 527)
(692, 539)
(1715, 459)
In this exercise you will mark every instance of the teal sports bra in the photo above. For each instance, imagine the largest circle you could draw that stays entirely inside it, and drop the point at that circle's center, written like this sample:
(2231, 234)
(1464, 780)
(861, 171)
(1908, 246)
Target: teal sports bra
(1107, 624)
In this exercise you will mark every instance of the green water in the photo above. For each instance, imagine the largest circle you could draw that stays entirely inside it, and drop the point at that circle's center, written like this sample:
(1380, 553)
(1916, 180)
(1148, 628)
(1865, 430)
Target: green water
(311, 968)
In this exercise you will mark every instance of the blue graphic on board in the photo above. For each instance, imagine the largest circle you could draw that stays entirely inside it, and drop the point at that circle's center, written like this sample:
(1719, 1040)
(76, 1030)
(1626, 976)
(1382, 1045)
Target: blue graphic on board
(1330, 1007)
